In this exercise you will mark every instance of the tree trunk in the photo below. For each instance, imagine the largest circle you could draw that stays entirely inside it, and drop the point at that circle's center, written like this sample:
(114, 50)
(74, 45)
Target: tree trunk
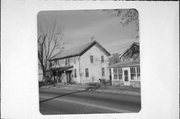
(44, 74)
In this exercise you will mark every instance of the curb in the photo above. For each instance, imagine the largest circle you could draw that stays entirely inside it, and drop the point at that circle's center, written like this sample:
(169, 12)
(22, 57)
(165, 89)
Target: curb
(97, 90)
(102, 91)
(119, 92)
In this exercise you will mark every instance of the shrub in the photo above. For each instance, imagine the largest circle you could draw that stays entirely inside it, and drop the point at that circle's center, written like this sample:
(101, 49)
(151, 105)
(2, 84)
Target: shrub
(41, 83)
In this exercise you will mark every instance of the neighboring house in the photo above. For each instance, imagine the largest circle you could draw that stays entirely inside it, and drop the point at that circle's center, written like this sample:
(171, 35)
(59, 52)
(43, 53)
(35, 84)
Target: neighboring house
(82, 64)
(127, 71)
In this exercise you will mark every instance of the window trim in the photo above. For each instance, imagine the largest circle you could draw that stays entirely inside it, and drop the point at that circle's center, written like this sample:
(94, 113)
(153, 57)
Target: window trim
(115, 73)
(102, 59)
(86, 72)
(133, 73)
(91, 59)
(138, 72)
(120, 73)
(75, 73)
(103, 71)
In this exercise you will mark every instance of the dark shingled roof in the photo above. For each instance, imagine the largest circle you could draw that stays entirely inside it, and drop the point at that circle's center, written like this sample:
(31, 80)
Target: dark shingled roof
(78, 51)
(127, 48)
(126, 63)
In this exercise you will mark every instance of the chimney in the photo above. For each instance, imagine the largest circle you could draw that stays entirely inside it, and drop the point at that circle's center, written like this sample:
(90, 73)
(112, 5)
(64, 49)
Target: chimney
(92, 38)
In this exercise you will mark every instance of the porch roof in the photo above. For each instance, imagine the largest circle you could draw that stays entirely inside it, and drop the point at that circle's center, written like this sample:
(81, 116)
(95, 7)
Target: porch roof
(125, 64)
(60, 68)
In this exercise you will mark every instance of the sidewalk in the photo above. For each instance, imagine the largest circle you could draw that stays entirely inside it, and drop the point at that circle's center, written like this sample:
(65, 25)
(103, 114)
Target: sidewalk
(105, 89)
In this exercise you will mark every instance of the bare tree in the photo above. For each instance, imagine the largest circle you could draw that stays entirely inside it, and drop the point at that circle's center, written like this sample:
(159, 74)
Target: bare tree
(49, 44)
(114, 58)
(126, 16)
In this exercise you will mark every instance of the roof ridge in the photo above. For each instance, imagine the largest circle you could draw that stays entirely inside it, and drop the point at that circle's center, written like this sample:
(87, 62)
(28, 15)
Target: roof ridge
(79, 45)
(79, 50)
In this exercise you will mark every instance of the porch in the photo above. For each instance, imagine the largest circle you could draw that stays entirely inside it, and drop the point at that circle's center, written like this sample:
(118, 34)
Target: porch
(61, 74)
(125, 74)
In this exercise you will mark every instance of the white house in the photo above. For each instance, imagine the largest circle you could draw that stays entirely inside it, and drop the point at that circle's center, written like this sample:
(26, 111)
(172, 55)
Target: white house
(82, 64)
(127, 71)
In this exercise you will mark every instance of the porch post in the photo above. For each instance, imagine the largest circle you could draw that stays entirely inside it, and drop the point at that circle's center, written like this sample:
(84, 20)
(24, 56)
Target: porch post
(112, 75)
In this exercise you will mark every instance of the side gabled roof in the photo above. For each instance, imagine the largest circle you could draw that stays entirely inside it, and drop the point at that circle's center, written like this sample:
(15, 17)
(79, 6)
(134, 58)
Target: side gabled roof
(134, 43)
(78, 51)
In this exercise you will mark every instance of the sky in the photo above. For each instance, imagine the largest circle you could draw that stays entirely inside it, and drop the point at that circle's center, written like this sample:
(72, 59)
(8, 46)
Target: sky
(79, 26)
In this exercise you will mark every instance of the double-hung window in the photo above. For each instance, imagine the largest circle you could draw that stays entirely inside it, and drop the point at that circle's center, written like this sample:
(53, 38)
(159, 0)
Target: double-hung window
(67, 61)
(133, 73)
(91, 59)
(102, 59)
(86, 72)
(115, 71)
(138, 72)
(103, 72)
(120, 73)
(75, 75)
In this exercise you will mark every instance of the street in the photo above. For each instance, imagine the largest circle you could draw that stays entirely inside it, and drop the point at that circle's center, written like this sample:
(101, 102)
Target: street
(60, 101)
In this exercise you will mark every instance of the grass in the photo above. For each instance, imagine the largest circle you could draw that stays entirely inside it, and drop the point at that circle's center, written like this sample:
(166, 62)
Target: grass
(125, 88)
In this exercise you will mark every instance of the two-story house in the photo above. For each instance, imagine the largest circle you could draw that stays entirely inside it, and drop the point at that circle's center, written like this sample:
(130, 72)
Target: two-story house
(127, 71)
(82, 64)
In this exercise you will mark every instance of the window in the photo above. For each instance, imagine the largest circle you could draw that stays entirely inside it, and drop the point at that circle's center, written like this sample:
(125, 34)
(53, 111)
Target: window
(74, 60)
(67, 61)
(75, 73)
(120, 73)
(133, 73)
(86, 72)
(138, 72)
(51, 64)
(102, 59)
(115, 73)
(56, 62)
(103, 72)
(91, 59)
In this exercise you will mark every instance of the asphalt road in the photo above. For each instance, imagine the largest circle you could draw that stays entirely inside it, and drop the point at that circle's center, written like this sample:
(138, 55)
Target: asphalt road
(53, 101)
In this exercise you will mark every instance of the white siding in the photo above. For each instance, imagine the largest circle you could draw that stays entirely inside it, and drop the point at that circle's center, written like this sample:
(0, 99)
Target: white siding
(95, 68)
(76, 66)
(82, 62)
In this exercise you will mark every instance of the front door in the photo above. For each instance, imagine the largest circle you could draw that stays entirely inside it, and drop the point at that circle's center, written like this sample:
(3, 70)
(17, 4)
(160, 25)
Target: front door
(126, 76)
(69, 77)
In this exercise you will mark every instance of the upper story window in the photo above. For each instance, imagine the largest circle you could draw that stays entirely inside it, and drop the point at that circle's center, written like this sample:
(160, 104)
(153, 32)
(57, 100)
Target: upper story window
(56, 62)
(74, 60)
(91, 59)
(51, 64)
(102, 59)
(67, 62)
